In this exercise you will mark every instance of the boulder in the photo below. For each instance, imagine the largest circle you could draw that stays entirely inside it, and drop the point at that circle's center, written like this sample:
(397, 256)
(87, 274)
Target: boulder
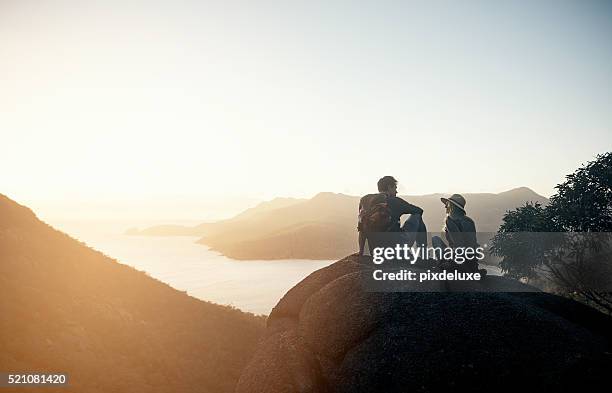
(329, 335)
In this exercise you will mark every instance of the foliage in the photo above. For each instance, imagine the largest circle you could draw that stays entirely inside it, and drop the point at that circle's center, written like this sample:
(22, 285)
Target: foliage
(566, 241)
(522, 254)
(583, 203)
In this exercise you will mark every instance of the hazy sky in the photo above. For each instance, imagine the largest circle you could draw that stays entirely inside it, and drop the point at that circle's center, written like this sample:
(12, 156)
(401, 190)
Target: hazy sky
(241, 100)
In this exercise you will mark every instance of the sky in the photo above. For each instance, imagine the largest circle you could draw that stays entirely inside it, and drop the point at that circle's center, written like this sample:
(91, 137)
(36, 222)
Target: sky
(194, 109)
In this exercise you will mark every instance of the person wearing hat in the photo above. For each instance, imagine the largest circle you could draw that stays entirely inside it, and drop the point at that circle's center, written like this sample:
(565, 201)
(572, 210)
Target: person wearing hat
(457, 224)
(459, 229)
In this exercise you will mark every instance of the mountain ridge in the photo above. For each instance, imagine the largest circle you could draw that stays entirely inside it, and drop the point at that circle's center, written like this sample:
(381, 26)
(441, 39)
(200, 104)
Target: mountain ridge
(253, 237)
(69, 308)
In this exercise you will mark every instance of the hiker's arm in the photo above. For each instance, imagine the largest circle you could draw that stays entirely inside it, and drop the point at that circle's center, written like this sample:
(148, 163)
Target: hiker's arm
(451, 230)
(407, 208)
(470, 229)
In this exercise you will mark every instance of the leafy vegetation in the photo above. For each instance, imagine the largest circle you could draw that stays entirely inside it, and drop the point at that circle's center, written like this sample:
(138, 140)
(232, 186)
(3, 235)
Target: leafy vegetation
(568, 241)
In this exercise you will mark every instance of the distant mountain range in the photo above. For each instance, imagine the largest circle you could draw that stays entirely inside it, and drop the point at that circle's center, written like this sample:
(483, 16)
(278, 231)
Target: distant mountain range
(68, 308)
(324, 227)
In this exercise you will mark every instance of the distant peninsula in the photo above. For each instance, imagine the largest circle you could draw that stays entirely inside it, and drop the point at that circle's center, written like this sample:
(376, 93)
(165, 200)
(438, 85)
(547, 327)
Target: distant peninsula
(324, 227)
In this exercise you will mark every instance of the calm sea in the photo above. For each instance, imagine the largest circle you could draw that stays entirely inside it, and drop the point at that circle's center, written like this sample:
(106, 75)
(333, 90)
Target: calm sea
(254, 286)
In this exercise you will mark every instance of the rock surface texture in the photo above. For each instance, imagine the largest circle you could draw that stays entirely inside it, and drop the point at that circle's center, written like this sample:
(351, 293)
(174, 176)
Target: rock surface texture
(329, 335)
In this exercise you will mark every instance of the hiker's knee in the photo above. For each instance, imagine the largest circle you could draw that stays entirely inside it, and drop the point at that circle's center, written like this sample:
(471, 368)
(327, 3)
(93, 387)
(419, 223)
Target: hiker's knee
(413, 223)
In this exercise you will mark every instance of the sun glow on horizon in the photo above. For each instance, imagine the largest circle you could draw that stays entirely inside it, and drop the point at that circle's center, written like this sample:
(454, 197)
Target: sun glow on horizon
(154, 102)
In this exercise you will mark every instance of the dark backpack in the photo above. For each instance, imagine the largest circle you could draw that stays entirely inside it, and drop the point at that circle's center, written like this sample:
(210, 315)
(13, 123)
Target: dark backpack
(374, 213)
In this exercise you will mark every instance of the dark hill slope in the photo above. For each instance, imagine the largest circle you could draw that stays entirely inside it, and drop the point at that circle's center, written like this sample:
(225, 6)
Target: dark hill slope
(68, 308)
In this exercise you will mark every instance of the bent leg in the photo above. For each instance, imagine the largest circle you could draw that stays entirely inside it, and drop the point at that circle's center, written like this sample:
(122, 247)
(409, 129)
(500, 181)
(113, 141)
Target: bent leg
(414, 230)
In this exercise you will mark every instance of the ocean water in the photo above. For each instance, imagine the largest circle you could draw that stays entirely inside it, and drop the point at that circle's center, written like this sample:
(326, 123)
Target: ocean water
(253, 286)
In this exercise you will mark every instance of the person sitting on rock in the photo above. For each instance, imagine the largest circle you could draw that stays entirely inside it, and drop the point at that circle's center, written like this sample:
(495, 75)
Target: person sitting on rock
(382, 213)
(459, 230)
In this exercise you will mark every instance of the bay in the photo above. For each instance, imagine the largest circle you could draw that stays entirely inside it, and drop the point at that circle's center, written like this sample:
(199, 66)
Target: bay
(253, 286)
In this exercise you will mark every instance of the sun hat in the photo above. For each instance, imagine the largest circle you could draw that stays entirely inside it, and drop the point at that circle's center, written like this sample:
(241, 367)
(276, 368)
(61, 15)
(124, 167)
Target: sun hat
(455, 199)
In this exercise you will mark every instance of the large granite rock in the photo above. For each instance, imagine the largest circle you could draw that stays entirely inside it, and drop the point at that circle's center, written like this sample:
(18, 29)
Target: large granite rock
(329, 335)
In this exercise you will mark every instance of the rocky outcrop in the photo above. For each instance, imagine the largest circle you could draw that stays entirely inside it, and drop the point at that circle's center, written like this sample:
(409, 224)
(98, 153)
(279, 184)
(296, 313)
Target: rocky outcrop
(329, 335)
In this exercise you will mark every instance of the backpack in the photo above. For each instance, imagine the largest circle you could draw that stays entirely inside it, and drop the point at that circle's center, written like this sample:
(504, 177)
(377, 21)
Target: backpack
(374, 213)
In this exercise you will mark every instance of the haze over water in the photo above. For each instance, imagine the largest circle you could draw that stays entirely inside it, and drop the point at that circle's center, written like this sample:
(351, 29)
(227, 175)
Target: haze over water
(254, 286)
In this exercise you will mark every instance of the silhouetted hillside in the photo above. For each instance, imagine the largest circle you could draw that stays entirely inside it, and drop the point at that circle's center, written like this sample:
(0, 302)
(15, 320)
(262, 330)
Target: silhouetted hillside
(68, 308)
(266, 206)
(324, 227)
(204, 228)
